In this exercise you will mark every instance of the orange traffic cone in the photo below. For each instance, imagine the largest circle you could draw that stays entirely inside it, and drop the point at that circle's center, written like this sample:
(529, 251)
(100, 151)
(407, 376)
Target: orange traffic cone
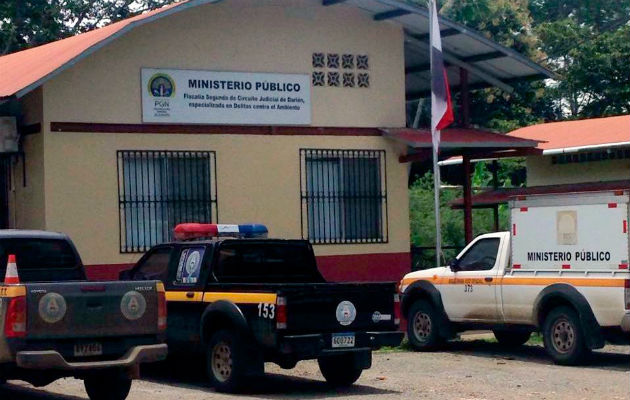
(11, 277)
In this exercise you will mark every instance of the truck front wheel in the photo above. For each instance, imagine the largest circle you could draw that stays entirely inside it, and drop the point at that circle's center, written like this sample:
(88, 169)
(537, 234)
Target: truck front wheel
(226, 360)
(108, 385)
(563, 336)
(341, 370)
(422, 326)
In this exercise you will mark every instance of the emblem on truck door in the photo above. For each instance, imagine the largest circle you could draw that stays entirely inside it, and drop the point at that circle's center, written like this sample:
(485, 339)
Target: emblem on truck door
(346, 313)
(133, 305)
(52, 307)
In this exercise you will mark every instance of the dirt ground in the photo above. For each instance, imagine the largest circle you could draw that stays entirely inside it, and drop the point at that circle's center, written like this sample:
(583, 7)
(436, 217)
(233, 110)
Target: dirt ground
(470, 369)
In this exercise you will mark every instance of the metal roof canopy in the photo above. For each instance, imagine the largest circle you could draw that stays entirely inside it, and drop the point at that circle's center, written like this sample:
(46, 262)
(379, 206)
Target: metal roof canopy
(489, 63)
(460, 141)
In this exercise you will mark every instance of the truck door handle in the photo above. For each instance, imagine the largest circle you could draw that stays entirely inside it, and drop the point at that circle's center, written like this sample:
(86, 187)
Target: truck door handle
(190, 295)
(488, 279)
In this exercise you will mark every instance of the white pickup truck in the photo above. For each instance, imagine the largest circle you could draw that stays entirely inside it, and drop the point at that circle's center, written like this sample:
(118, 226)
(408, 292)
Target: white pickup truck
(562, 270)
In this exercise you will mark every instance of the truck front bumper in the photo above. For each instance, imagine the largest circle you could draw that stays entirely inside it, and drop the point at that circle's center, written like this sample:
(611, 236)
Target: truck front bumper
(625, 323)
(312, 346)
(50, 359)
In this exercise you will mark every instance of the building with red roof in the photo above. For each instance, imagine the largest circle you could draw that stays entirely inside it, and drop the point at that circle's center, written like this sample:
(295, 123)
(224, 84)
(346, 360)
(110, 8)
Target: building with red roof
(286, 113)
(581, 151)
(575, 156)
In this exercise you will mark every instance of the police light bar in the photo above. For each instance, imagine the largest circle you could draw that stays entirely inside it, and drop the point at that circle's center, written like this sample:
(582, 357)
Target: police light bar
(190, 231)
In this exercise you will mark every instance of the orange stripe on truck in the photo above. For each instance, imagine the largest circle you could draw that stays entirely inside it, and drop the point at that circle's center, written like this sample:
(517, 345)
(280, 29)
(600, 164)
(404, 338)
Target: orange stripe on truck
(12, 291)
(515, 281)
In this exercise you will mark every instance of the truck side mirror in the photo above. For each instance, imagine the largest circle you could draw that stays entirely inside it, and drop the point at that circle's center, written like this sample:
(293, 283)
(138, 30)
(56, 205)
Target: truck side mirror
(454, 265)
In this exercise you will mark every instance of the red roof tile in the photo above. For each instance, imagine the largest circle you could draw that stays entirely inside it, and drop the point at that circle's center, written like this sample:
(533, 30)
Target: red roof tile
(25, 68)
(587, 132)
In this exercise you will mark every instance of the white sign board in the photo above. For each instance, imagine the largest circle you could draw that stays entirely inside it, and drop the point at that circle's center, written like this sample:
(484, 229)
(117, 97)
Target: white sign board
(213, 97)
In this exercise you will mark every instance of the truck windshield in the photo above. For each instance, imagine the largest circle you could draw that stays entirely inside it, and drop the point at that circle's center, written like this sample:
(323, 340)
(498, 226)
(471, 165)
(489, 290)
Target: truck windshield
(251, 262)
(41, 260)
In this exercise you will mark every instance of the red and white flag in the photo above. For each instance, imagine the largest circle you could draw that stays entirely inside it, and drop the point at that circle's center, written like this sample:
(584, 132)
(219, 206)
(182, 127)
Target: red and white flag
(441, 106)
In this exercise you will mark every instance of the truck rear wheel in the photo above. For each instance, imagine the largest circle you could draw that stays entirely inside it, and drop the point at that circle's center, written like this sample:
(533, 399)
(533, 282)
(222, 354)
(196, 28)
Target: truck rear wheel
(108, 385)
(340, 370)
(563, 337)
(511, 338)
(422, 326)
(226, 360)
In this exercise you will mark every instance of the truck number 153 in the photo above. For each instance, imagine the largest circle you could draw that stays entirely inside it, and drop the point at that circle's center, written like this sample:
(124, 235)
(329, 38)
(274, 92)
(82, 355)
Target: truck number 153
(266, 310)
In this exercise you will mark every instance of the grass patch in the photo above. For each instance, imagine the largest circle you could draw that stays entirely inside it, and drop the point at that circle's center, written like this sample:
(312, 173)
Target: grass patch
(536, 339)
(404, 346)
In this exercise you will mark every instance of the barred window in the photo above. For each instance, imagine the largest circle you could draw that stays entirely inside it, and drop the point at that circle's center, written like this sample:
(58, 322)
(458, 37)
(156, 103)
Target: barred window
(344, 196)
(159, 189)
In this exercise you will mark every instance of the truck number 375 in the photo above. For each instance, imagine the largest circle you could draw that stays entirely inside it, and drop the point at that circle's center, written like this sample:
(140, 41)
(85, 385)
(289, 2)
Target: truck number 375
(266, 310)
(468, 288)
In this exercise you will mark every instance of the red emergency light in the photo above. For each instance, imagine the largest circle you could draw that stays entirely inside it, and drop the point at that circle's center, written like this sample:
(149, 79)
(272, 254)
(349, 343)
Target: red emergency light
(189, 231)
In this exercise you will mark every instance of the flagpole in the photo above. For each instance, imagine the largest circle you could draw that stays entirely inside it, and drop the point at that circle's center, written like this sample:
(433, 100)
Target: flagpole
(438, 225)
(436, 167)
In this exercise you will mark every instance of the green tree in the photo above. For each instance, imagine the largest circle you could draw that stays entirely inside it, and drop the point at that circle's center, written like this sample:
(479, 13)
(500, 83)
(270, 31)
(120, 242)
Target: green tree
(593, 66)
(509, 23)
(422, 217)
(28, 23)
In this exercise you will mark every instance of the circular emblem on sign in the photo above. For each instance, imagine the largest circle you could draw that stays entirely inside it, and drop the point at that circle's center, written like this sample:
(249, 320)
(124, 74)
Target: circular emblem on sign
(52, 307)
(192, 263)
(161, 85)
(133, 305)
(376, 317)
(346, 313)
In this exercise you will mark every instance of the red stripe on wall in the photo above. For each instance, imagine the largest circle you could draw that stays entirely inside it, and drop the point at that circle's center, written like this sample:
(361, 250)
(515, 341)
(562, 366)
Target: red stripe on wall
(380, 267)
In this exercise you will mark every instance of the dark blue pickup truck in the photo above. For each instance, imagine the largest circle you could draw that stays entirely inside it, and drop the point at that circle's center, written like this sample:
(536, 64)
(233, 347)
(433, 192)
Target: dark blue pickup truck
(56, 324)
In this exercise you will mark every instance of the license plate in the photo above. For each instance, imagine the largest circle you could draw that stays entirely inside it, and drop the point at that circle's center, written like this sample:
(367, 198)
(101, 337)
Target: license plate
(88, 349)
(343, 340)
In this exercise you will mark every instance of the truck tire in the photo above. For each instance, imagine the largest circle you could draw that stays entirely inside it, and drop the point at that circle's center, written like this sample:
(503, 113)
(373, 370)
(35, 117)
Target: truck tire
(510, 338)
(226, 360)
(563, 336)
(339, 371)
(108, 385)
(423, 326)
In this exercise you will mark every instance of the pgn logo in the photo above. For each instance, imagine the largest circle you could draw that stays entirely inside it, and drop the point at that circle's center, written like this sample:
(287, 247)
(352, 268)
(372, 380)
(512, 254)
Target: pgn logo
(161, 104)
(161, 85)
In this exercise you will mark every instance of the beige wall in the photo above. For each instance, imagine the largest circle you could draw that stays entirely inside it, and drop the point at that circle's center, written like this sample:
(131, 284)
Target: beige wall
(26, 202)
(241, 35)
(540, 171)
(257, 176)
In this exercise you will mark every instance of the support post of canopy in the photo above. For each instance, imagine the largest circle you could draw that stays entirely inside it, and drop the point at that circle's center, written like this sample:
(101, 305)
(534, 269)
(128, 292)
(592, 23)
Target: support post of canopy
(495, 186)
(464, 97)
